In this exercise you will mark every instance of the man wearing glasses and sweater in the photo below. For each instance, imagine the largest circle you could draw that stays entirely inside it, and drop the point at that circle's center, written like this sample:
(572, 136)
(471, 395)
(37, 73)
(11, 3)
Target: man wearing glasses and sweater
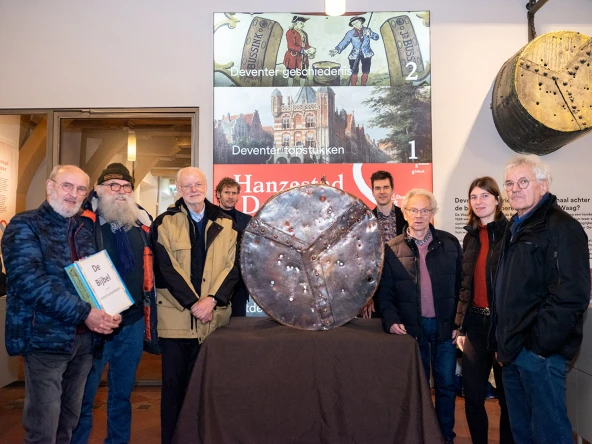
(418, 294)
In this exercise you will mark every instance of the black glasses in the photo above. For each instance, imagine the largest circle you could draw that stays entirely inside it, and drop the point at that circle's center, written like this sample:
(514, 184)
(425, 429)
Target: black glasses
(68, 188)
(116, 187)
(522, 184)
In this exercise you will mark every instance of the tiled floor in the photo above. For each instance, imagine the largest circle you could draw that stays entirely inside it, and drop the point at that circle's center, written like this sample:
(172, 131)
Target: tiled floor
(146, 423)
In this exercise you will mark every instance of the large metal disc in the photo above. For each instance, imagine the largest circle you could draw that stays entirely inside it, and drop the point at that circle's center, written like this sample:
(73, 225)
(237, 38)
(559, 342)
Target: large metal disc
(312, 257)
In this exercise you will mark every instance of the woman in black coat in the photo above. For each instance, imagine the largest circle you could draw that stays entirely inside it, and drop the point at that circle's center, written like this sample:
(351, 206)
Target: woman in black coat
(481, 253)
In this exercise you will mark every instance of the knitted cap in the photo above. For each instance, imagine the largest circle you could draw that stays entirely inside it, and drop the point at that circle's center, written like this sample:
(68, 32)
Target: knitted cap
(115, 171)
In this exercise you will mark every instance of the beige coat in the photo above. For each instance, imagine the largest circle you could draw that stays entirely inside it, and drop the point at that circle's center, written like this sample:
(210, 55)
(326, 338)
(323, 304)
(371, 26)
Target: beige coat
(175, 294)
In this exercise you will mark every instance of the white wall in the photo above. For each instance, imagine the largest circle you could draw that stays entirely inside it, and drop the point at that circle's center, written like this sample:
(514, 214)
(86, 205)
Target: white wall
(151, 53)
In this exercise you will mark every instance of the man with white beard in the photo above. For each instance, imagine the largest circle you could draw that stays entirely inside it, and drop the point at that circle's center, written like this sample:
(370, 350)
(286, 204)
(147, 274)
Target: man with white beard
(122, 228)
(46, 321)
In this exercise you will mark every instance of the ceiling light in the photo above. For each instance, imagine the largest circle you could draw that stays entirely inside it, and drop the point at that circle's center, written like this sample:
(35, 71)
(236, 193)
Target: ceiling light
(131, 146)
(334, 7)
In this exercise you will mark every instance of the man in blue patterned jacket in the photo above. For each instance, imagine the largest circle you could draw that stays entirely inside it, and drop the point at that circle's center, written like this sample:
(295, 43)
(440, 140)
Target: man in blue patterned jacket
(46, 321)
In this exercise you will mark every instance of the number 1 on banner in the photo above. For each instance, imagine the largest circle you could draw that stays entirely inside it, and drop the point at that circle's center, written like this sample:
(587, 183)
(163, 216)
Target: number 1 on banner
(413, 156)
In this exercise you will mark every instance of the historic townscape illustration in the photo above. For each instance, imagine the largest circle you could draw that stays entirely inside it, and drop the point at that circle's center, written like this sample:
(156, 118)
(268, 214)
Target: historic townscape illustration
(322, 125)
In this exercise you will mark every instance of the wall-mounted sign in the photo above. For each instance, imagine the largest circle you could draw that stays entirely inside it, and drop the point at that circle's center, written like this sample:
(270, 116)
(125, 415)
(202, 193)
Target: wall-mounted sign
(300, 96)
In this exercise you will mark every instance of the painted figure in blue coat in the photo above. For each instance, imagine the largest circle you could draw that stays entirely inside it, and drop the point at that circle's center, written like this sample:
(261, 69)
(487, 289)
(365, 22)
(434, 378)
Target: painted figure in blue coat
(359, 37)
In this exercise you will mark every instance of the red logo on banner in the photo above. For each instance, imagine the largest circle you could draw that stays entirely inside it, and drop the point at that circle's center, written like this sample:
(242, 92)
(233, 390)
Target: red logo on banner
(260, 182)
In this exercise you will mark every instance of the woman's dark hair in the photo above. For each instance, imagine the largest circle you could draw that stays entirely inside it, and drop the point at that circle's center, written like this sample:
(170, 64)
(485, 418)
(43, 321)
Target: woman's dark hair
(490, 185)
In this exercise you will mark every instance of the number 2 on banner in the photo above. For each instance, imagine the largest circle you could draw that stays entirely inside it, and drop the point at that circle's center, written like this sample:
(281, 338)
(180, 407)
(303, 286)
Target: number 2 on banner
(412, 76)
(413, 156)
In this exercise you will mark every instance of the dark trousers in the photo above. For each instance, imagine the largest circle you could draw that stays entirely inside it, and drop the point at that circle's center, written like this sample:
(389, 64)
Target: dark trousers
(477, 361)
(54, 385)
(441, 357)
(178, 360)
(354, 64)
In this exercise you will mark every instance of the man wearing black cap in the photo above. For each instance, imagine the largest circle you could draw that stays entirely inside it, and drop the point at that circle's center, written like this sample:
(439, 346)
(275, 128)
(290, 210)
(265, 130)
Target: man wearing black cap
(122, 228)
(359, 37)
(299, 51)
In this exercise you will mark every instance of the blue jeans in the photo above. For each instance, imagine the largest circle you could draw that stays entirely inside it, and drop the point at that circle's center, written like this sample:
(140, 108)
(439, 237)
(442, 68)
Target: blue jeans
(122, 351)
(54, 384)
(442, 357)
(535, 393)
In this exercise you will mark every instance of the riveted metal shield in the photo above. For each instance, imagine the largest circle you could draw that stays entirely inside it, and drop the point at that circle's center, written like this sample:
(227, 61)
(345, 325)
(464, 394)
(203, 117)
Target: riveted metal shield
(312, 257)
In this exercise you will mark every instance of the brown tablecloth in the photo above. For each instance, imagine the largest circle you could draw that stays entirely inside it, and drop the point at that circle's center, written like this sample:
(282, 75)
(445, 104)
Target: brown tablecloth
(257, 381)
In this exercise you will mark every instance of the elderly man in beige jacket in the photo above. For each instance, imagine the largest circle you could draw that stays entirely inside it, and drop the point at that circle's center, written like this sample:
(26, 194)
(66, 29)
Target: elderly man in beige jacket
(196, 271)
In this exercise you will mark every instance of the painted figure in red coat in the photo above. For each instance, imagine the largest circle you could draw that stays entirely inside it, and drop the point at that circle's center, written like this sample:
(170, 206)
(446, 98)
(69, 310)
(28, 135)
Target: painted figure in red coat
(299, 51)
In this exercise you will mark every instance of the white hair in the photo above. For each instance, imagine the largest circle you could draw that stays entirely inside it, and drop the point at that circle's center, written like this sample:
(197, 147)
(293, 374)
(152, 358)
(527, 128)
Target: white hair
(424, 193)
(187, 170)
(540, 169)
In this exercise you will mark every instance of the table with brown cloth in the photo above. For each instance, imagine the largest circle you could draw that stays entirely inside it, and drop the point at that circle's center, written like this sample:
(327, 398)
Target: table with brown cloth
(257, 381)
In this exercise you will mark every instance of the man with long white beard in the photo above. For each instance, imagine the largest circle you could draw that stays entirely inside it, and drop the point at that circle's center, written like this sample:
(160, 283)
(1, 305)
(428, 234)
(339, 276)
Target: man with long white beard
(122, 228)
(46, 321)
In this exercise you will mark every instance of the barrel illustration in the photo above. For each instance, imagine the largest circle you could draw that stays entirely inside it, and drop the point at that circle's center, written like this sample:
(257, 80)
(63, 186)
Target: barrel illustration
(260, 52)
(405, 61)
(541, 96)
(326, 73)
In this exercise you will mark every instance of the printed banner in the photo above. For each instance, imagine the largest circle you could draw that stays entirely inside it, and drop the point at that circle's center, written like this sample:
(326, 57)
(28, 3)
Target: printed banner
(302, 96)
(260, 182)
(282, 49)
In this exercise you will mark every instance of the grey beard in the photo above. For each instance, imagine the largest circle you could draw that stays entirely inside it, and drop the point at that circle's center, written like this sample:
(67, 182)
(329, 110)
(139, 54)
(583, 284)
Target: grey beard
(59, 207)
(119, 217)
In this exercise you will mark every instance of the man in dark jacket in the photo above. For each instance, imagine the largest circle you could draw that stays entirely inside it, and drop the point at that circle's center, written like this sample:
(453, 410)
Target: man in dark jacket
(418, 293)
(542, 291)
(390, 219)
(121, 228)
(46, 321)
(227, 193)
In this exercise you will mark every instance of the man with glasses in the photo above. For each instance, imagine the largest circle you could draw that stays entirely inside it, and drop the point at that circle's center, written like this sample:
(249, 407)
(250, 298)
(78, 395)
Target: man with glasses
(418, 294)
(541, 294)
(122, 229)
(46, 321)
(196, 271)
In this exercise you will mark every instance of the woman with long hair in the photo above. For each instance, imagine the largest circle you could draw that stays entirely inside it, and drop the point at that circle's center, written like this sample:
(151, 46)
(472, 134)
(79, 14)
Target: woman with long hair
(481, 254)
